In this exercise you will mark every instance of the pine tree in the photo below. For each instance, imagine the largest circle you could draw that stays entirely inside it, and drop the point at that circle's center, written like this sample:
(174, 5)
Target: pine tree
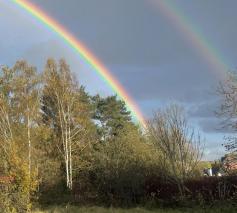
(111, 115)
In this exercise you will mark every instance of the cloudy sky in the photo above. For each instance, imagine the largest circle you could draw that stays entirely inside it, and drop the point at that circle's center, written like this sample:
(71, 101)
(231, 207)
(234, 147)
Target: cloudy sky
(145, 49)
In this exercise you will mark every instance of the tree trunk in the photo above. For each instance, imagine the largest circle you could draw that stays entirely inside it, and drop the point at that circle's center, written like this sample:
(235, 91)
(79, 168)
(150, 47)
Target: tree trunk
(29, 141)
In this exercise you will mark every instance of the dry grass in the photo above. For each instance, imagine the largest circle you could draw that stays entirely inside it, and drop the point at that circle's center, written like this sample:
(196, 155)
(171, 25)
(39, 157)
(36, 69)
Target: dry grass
(74, 209)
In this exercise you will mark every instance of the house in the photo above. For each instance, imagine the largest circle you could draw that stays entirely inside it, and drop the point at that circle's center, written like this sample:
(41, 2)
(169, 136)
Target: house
(229, 162)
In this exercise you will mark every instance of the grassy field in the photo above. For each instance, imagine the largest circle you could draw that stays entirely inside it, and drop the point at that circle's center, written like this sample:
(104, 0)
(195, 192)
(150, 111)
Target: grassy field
(73, 209)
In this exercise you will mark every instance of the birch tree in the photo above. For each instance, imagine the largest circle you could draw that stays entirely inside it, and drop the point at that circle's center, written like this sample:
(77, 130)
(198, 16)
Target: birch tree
(6, 112)
(18, 110)
(26, 91)
(62, 111)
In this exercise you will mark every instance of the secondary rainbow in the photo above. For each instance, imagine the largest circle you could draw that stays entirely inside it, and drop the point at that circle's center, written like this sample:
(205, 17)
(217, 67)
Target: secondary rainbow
(83, 51)
(209, 54)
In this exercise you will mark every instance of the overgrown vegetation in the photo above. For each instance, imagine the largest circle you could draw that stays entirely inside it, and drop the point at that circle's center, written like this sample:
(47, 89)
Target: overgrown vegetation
(59, 145)
(75, 209)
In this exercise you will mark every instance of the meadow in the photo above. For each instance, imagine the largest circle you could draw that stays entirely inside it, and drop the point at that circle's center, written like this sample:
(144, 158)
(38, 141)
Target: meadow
(74, 209)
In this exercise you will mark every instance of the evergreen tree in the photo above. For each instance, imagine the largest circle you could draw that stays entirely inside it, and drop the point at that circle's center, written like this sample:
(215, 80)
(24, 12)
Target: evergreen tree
(111, 115)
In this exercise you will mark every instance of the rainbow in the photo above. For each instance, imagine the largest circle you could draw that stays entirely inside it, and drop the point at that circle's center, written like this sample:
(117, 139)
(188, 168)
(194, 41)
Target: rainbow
(83, 51)
(209, 54)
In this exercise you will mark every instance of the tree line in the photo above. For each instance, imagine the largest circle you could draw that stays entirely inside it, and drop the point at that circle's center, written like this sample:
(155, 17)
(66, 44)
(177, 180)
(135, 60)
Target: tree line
(56, 140)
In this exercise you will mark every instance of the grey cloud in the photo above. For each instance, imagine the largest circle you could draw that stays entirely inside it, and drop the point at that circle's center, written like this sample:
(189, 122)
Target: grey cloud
(143, 83)
(207, 109)
(39, 53)
(163, 83)
(149, 56)
(135, 32)
(209, 121)
(215, 125)
(122, 32)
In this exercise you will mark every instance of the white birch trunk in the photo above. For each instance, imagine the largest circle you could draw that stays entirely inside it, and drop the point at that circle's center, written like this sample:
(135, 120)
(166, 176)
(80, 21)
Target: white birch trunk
(29, 140)
(70, 157)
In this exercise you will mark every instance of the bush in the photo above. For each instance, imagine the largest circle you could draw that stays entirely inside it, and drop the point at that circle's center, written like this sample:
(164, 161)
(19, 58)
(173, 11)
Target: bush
(204, 189)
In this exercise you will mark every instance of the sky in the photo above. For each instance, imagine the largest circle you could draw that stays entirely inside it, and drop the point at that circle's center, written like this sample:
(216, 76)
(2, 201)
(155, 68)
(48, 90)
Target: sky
(145, 50)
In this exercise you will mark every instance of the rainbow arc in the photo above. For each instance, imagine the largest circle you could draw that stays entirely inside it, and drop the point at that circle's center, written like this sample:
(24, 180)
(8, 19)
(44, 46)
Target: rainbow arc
(175, 17)
(84, 53)
(209, 54)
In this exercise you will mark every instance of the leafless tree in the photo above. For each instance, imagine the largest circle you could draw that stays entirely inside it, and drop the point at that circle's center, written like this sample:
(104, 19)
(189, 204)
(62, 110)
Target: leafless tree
(227, 91)
(179, 146)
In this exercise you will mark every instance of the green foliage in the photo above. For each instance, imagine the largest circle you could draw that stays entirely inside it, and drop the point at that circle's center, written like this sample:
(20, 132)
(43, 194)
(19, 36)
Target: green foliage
(60, 145)
(66, 112)
(111, 115)
(119, 168)
(18, 111)
(16, 193)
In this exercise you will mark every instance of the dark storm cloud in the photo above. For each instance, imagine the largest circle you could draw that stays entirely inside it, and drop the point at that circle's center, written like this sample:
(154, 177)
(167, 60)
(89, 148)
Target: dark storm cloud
(207, 109)
(135, 32)
(218, 125)
(149, 56)
(121, 32)
(145, 51)
(213, 125)
(166, 82)
(208, 116)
